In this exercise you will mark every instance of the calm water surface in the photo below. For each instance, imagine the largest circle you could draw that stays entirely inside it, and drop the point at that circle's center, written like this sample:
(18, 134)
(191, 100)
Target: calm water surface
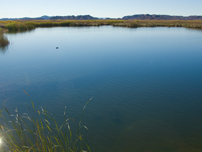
(146, 83)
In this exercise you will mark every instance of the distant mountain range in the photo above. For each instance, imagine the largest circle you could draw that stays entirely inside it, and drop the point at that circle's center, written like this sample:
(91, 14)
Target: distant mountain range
(132, 17)
(79, 17)
(27, 18)
(160, 17)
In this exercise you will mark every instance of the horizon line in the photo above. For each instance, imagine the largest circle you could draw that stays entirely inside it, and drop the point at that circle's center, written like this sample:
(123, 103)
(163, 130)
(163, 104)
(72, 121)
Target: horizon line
(96, 17)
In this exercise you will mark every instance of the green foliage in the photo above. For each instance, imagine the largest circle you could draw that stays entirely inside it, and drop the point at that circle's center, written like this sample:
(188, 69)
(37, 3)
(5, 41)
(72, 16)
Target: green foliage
(39, 132)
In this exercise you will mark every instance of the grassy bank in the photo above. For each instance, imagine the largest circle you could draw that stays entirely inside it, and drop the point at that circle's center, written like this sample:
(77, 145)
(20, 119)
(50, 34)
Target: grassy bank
(23, 25)
(161, 23)
(22, 132)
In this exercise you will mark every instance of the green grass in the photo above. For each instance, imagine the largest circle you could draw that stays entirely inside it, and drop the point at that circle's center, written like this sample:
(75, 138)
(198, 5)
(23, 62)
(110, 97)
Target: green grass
(39, 132)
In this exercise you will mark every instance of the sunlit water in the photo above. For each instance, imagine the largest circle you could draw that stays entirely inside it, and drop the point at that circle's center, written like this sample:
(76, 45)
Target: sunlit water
(146, 83)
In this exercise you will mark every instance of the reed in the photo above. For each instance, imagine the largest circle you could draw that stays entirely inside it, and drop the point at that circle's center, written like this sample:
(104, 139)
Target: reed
(17, 26)
(39, 132)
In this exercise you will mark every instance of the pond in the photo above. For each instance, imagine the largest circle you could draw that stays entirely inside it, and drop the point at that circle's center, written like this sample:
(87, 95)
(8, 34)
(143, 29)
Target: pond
(146, 83)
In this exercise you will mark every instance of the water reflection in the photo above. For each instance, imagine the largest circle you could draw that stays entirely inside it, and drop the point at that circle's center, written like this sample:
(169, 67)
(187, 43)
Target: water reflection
(194, 29)
(3, 49)
(146, 83)
(4, 43)
(17, 32)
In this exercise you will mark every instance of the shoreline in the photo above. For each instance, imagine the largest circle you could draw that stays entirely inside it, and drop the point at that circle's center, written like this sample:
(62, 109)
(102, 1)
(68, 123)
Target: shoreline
(27, 25)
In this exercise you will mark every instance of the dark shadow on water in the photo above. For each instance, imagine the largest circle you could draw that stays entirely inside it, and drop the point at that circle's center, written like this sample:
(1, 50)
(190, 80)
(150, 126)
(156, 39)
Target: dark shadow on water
(4, 43)
(21, 32)
(195, 29)
(4, 49)
(3, 38)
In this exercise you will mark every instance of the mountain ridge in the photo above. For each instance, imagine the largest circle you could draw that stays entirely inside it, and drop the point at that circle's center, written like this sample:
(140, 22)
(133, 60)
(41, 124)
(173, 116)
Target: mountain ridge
(128, 17)
(160, 17)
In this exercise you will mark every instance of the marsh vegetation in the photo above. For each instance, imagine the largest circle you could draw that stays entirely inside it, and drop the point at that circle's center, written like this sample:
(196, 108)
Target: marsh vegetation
(24, 25)
(38, 130)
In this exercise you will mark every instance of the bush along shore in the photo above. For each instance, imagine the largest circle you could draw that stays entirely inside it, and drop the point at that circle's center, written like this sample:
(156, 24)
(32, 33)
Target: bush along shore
(26, 25)
(37, 131)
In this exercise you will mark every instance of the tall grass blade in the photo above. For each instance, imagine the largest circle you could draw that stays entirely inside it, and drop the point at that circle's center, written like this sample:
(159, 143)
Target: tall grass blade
(39, 132)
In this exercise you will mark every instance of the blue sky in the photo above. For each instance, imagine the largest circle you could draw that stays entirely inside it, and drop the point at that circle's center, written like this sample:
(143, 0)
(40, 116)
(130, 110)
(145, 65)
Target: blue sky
(104, 8)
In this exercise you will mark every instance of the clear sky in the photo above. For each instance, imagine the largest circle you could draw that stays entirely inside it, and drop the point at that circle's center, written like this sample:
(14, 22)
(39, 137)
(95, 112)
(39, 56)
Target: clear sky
(101, 8)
